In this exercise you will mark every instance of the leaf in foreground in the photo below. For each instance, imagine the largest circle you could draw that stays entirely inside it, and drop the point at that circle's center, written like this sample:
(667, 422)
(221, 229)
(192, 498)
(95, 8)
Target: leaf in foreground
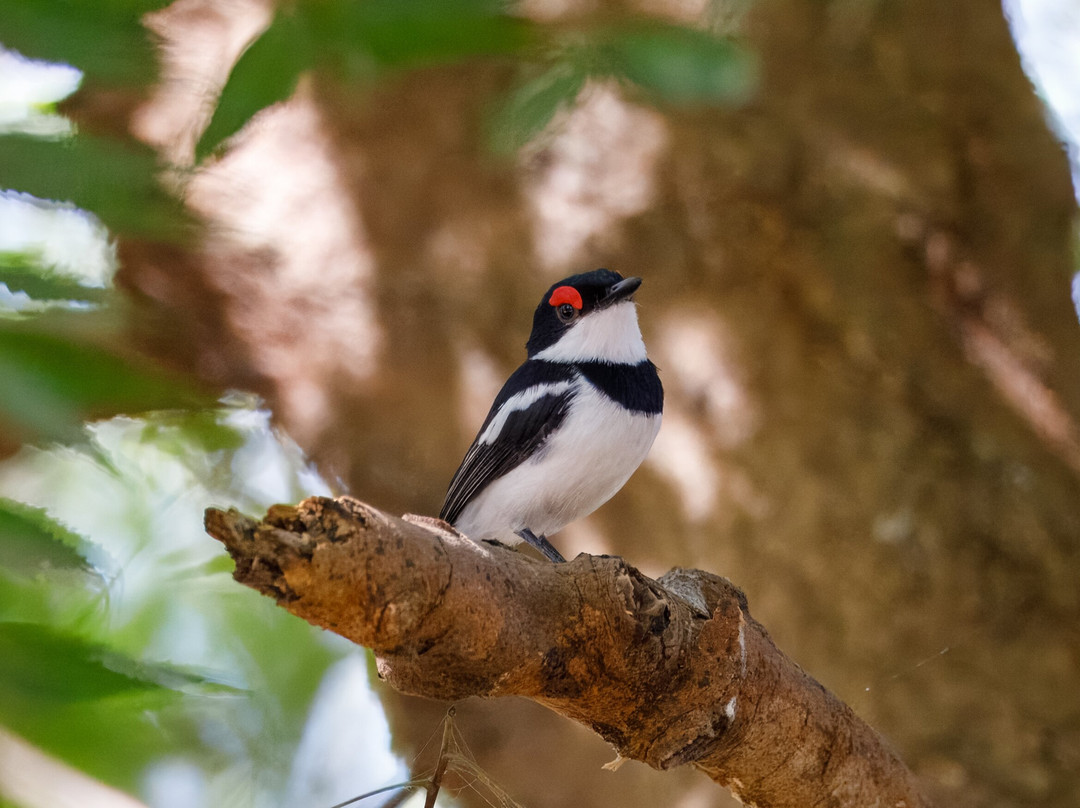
(681, 65)
(106, 40)
(53, 383)
(32, 542)
(90, 705)
(23, 273)
(117, 182)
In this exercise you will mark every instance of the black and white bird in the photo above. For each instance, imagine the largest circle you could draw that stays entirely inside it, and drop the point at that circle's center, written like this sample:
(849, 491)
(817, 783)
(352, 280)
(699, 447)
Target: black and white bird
(570, 425)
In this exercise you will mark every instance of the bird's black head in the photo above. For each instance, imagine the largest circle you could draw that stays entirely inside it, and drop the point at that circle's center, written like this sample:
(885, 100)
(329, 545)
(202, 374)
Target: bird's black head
(593, 298)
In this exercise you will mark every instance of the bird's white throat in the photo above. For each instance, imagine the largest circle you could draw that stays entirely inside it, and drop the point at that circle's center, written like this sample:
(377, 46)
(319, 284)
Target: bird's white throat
(609, 335)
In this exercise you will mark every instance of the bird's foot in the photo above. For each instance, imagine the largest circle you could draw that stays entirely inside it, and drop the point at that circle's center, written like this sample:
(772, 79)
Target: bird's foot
(542, 544)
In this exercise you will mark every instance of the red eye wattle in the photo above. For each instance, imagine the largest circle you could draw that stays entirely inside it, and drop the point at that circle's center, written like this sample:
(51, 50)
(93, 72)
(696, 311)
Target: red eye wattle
(566, 294)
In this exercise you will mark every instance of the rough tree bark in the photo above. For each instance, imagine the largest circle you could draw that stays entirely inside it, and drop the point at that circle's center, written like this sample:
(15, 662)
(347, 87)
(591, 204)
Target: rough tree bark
(671, 672)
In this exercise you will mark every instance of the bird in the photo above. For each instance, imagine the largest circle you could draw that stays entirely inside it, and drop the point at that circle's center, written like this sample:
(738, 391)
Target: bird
(569, 426)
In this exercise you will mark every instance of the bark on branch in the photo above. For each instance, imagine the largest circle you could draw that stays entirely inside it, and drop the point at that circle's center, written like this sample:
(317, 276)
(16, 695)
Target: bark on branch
(670, 672)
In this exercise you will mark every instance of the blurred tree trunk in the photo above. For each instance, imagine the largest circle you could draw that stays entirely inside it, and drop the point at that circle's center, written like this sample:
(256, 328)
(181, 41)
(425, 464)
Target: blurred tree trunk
(857, 293)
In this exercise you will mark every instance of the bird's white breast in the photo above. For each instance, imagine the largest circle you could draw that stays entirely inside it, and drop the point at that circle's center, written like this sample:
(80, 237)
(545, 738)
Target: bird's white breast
(584, 463)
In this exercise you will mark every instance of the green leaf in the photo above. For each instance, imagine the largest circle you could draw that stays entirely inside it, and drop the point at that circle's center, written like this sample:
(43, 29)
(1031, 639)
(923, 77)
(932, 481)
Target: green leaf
(22, 273)
(681, 65)
(89, 704)
(32, 542)
(116, 182)
(417, 33)
(39, 664)
(530, 107)
(218, 565)
(266, 73)
(52, 383)
(356, 40)
(113, 740)
(179, 432)
(106, 40)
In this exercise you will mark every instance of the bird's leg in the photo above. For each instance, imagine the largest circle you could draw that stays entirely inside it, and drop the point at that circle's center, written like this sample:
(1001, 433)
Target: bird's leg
(542, 544)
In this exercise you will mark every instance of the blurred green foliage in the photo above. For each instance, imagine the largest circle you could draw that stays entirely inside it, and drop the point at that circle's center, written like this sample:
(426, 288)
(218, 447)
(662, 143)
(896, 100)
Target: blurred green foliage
(105, 39)
(33, 543)
(118, 182)
(675, 65)
(357, 42)
(360, 42)
(122, 641)
(32, 276)
(123, 644)
(54, 381)
(658, 62)
(532, 105)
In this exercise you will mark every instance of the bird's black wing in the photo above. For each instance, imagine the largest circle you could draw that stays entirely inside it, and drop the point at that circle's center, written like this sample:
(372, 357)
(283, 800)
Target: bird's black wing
(522, 433)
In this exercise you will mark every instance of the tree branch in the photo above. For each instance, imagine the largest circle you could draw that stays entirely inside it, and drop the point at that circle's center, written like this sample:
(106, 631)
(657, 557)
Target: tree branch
(670, 672)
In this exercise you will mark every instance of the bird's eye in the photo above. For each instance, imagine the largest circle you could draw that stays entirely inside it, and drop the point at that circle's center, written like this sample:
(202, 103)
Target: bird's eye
(566, 300)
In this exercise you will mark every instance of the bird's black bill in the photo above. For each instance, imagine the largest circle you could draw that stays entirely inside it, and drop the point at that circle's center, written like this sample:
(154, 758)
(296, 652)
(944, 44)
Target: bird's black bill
(543, 545)
(622, 290)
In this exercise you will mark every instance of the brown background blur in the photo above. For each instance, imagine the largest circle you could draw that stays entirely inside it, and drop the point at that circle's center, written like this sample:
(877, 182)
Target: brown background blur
(856, 289)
